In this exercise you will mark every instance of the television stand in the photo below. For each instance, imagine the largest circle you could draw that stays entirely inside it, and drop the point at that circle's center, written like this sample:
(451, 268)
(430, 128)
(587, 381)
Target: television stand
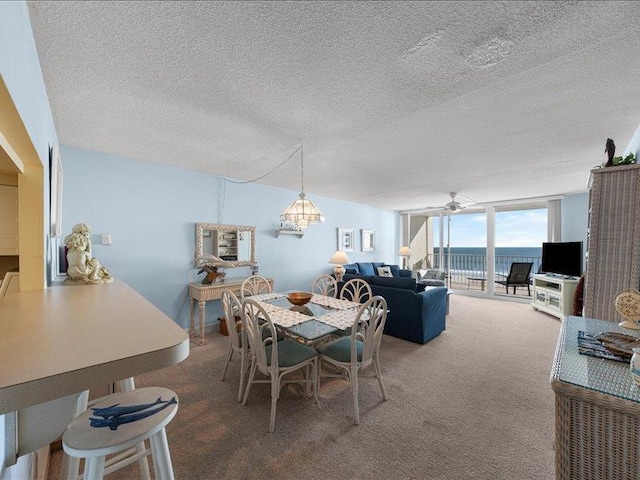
(554, 294)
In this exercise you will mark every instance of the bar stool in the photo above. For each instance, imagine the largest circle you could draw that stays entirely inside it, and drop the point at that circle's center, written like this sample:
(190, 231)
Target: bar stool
(121, 421)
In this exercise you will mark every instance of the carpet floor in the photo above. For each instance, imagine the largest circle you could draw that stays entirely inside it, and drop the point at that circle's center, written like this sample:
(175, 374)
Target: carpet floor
(473, 403)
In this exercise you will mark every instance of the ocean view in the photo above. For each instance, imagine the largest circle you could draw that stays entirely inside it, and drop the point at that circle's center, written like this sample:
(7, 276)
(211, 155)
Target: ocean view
(473, 259)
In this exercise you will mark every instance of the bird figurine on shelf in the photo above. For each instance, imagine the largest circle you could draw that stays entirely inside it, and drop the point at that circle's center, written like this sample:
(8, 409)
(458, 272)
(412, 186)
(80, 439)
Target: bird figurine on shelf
(211, 264)
(610, 150)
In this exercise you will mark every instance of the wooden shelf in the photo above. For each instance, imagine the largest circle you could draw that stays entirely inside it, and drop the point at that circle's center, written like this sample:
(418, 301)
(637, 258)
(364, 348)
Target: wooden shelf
(289, 232)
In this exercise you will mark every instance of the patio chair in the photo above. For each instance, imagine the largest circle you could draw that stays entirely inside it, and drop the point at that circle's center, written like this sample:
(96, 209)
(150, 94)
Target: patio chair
(519, 274)
(432, 277)
(275, 359)
(325, 285)
(359, 350)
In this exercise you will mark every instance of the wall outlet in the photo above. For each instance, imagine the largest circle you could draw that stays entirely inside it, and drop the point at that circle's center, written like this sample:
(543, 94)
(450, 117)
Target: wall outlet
(106, 239)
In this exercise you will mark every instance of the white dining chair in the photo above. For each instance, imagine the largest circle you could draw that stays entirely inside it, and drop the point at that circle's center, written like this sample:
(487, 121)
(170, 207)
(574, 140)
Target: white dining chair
(359, 350)
(237, 337)
(254, 285)
(325, 285)
(275, 359)
(356, 290)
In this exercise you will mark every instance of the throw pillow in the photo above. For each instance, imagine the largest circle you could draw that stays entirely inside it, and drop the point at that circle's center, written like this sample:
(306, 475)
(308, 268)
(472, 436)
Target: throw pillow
(352, 271)
(366, 268)
(377, 264)
(352, 266)
(385, 272)
(395, 270)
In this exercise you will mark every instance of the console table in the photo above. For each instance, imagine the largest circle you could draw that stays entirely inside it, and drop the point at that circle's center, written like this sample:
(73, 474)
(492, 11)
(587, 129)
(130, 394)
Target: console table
(203, 293)
(597, 409)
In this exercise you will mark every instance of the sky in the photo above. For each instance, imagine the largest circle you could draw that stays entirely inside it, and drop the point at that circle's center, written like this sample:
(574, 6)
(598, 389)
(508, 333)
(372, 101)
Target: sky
(523, 228)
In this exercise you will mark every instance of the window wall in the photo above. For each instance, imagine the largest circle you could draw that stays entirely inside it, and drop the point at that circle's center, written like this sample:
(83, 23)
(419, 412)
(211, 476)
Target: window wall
(475, 245)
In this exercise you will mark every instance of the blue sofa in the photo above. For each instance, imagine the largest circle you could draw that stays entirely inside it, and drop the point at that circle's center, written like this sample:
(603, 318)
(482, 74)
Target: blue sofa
(413, 315)
(371, 269)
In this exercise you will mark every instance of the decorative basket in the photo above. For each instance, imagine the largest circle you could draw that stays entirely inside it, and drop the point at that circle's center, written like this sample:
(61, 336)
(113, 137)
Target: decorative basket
(223, 325)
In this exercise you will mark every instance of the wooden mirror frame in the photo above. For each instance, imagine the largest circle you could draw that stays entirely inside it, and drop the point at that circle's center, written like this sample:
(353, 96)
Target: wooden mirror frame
(202, 227)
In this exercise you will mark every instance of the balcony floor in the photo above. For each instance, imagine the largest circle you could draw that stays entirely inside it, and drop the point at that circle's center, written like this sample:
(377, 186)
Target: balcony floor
(476, 285)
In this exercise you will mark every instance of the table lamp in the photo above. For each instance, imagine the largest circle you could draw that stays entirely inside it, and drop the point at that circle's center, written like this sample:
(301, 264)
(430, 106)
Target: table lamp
(339, 259)
(405, 253)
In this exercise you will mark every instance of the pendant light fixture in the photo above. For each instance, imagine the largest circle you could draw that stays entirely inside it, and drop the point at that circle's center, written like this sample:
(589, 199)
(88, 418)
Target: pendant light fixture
(302, 212)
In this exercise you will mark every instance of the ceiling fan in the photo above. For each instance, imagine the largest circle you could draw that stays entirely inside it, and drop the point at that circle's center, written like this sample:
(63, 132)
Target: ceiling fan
(457, 203)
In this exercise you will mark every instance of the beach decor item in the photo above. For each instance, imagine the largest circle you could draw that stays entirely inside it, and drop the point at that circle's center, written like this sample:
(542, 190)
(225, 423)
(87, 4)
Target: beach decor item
(82, 267)
(610, 150)
(211, 265)
(627, 305)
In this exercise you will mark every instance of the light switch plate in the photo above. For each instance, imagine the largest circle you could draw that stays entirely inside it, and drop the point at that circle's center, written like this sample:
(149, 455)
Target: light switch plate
(106, 239)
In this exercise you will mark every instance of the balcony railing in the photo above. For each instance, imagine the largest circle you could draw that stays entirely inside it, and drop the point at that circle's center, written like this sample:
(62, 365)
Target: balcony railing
(465, 266)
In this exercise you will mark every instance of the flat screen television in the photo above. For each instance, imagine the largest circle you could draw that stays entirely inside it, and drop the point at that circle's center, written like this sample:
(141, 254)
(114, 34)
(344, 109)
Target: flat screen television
(562, 258)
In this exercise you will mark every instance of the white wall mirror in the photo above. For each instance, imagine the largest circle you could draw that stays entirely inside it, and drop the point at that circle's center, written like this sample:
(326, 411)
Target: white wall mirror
(233, 243)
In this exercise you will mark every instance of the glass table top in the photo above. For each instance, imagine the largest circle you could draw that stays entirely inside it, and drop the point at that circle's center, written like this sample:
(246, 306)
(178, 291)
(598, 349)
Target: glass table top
(598, 374)
(313, 329)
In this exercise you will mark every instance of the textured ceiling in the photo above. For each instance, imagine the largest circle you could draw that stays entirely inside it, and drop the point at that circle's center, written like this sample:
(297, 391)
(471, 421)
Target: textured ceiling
(398, 103)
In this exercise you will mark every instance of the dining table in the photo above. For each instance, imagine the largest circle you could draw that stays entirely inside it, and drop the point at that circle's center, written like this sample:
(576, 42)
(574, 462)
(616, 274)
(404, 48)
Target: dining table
(321, 317)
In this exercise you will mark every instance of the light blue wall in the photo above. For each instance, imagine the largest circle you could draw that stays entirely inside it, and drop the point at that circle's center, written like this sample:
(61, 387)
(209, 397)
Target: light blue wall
(20, 70)
(574, 218)
(151, 210)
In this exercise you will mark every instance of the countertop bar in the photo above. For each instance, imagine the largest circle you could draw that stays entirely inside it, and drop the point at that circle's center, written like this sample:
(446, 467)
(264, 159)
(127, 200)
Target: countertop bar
(66, 339)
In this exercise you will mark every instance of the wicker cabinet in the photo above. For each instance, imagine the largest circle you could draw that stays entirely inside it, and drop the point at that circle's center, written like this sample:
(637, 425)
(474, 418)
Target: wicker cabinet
(613, 247)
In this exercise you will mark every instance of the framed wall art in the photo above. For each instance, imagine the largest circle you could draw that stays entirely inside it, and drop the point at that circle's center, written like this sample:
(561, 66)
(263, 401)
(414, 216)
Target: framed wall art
(345, 239)
(367, 240)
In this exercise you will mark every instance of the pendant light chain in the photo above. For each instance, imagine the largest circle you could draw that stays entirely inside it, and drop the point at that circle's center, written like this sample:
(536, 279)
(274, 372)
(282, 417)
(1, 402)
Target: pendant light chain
(302, 168)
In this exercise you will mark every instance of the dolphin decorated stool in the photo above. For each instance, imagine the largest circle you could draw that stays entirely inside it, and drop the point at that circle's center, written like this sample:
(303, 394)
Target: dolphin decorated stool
(121, 421)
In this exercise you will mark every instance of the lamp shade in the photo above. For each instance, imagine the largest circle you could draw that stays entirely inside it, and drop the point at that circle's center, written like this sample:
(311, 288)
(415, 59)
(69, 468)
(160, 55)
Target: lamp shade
(302, 212)
(339, 258)
(404, 251)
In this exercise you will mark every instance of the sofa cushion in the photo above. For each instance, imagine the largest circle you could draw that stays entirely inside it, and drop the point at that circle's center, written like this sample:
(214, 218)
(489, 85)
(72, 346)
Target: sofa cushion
(395, 270)
(407, 283)
(384, 272)
(366, 268)
(377, 265)
(340, 350)
(351, 268)
(349, 276)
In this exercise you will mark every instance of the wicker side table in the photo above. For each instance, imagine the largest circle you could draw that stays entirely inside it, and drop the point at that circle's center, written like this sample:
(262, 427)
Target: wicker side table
(597, 410)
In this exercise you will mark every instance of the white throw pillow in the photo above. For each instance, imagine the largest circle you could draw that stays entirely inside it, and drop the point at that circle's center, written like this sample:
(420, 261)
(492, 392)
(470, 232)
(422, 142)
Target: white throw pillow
(385, 272)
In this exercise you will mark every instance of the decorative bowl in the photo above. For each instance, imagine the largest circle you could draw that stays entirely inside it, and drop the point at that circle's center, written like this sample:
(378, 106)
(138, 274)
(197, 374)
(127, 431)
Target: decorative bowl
(299, 298)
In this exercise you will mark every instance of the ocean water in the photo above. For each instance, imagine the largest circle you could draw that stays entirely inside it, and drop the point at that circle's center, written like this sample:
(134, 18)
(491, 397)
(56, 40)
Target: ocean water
(473, 259)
